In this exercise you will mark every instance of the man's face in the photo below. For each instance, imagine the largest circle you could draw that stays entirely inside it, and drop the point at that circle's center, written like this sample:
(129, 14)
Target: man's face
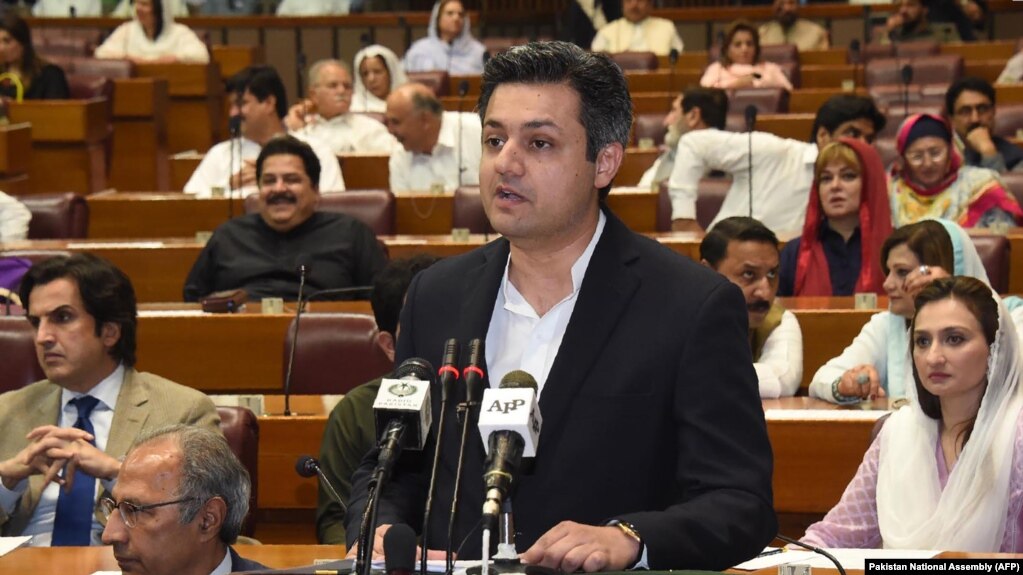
(332, 92)
(636, 10)
(972, 109)
(860, 129)
(675, 123)
(287, 197)
(912, 12)
(256, 116)
(158, 544)
(67, 347)
(535, 180)
(408, 125)
(786, 11)
(753, 266)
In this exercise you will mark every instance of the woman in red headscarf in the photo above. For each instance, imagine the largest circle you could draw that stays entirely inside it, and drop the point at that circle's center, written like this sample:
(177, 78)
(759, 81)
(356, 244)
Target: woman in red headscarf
(847, 219)
(931, 181)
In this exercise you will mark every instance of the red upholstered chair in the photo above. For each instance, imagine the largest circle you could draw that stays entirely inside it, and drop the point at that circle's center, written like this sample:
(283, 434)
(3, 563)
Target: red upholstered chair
(767, 100)
(467, 210)
(1008, 120)
(17, 348)
(1013, 182)
(994, 253)
(87, 87)
(637, 61)
(57, 216)
(896, 114)
(791, 71)
(892, 96)
(780, 53)
(886, 149)
(375, 208)
(648, 126)
(241, 430)
(335, 353)
(870, 52)
(934, 69)
(102, 68)
(497, 44)
(65, 46)
(436, 80)
(710, 194)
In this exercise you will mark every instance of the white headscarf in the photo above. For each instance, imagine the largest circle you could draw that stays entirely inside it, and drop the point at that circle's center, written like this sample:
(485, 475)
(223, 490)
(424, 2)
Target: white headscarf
(967, 262)
(969, 515)
(363, 100)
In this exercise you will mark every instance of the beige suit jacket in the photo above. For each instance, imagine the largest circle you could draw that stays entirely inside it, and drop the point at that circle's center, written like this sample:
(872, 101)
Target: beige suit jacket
(146, 402)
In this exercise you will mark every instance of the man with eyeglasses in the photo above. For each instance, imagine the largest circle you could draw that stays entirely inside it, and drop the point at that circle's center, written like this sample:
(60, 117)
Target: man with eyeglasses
(263, 252)
(62, 437)
(970, 106)
(180, 502)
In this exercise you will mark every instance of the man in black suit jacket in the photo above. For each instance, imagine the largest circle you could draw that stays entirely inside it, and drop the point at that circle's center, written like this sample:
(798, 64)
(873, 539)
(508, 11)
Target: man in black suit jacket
(654, 449)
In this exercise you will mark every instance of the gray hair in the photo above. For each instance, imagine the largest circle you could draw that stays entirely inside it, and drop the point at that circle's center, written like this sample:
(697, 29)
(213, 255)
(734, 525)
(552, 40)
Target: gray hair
(319, 65)
(210, 469)
(427, 103)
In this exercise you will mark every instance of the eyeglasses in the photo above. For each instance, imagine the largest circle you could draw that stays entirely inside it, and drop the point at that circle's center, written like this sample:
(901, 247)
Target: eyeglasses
(129, 511)
(936, 155)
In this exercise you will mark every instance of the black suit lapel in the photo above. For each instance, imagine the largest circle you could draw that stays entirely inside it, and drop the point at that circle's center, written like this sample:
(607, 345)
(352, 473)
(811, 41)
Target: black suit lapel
(607, 289)
(480, 286)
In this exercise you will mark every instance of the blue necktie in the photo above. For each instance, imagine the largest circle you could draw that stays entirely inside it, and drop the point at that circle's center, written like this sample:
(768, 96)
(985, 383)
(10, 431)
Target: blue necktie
(73, 524)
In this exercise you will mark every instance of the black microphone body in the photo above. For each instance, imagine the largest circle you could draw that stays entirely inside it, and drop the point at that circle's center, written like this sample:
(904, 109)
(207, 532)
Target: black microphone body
(473, 376)
(463, 89)
(303, 271)
(856, 56)
(907, 78)
(751, 123)
(672, 61)
(234, 127)
(448, 375)
(308, 466)
(400, 550)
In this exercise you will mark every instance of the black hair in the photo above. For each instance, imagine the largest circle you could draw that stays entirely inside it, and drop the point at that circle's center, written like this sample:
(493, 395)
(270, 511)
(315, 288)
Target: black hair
(265, 82)
(971, 84)
(390, 286)
(291, 146)
(712, 102)
(714, 246)
(845, 108)
(106, 292)
(605, 106)
(31, 64)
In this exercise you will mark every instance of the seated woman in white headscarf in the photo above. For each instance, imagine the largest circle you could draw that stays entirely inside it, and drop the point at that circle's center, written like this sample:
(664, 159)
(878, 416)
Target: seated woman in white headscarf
(152, 35)
(945, 471)
(377, 73)
(876, 363)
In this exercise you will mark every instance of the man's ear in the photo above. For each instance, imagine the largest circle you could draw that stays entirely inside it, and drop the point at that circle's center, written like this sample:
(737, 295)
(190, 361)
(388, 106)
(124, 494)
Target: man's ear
(822, 137)
(609, 159)
(385, 341)
(110, 334)
(211, 519)
(706, 263)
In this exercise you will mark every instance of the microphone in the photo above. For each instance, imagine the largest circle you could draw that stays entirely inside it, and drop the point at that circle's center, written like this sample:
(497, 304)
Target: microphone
(463, 89)
(308, 466)
(816, 550)
(721, 44)
(672, 61)
(72, 11)
(907, 79)
(473, 376)
(400, 550)
(509, 425)
(234, 128)
(751, 122)
(448, 375)
(303, 271)
(300, 68)
(857, 57)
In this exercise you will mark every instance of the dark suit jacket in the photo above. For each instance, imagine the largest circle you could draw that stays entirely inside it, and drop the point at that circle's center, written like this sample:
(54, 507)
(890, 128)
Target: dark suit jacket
(239, 563)
(651, 412)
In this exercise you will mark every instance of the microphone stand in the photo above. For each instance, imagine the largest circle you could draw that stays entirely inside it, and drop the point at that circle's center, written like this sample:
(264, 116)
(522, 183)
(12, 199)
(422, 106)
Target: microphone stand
(463, 89)
(473, 376)
(448, 376)
(907, 78)
(751, 121)
(856, 56)
(672, 60)
(303, 270)
(234, 125)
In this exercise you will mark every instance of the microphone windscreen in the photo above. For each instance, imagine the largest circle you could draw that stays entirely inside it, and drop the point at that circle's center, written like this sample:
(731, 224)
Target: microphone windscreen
(399, 549)
(234, 124)
(306, 466)
(751, 117)
(854, 45)
(364, 39)
(673, 56)
(463, 88)
(415, 367)
(907, 74)
(518, 379)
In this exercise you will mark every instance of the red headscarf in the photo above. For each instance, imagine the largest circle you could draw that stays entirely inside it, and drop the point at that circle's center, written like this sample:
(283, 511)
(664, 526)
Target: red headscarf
(812, 274)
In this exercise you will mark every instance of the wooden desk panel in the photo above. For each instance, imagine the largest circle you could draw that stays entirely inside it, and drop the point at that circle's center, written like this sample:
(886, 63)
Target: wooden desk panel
(196, 97)
(140, 135)
(15, 157)
(68, 138)
(365, 171)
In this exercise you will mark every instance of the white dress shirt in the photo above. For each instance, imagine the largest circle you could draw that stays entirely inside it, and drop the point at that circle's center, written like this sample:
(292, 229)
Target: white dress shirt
(14, 219)
(350, 133)
(62, 8)
(312, 7)
(780, 365)
(40, 526)
(412, 171)
(216, 167)
(518, 338)
(782, 176)
(652, 34)
(226, 565)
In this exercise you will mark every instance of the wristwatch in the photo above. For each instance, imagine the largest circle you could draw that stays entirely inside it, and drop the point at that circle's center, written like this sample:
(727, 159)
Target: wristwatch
(630, 530)
(839, 397)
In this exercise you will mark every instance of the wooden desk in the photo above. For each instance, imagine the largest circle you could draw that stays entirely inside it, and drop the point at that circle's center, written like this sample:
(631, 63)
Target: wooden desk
(196, 103)
(140, 135)
(15, 157)
(365, 171)
(68, 138)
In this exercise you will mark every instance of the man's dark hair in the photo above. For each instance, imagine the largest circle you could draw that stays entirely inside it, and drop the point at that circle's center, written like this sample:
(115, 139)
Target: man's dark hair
(264, 82)
(291, 146)
(712, 102)
(605, 107)
(390, 286)
(714, 246)
(106, 292)
(237, 83)
(846, 108)
(427, 103)
(972, 84)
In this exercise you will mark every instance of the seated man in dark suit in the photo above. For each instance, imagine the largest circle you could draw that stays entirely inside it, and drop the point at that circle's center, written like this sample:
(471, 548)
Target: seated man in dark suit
(262, 252)
(654, 449)
(181, 499)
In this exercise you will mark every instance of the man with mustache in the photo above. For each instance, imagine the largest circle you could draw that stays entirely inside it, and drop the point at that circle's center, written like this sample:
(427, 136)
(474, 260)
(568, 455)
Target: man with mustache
(970, 106)
(325, 115)
(262, 252)
(63, 437)
(788, 28)
(256, 97)
(746, 252)
(178, 505)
